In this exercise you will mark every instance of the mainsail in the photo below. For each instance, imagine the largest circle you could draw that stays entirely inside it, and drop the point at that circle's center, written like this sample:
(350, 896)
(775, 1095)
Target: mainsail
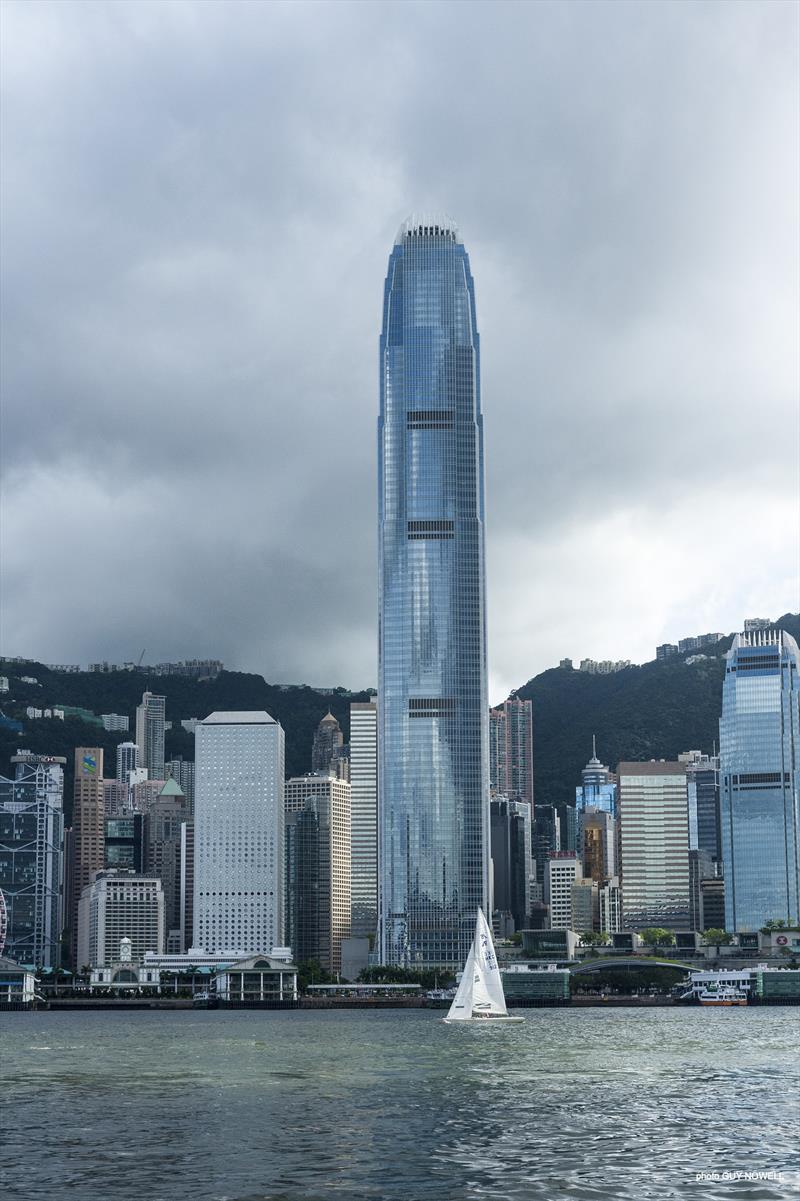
(480, 993)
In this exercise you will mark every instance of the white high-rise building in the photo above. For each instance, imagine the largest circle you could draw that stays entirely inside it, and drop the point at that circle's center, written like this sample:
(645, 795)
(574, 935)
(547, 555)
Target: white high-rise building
(127, 760)
(562, 870)
(654, 845)
(364, 817)
(238, 833)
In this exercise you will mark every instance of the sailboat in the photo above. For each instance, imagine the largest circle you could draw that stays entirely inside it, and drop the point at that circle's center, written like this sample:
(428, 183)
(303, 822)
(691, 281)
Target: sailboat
(480, 996)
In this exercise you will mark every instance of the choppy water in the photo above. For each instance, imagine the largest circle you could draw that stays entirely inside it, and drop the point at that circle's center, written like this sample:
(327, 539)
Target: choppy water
(590, 1105)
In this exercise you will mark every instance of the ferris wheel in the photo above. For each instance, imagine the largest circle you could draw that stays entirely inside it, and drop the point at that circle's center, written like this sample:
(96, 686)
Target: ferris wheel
(3, 921)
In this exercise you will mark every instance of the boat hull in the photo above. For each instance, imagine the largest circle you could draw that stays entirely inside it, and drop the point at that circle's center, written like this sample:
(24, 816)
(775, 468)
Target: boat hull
(720, 1004)
(483, 1021)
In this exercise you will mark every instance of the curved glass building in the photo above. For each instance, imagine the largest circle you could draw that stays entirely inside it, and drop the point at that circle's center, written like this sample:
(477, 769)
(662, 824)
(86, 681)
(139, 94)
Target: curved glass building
(759, 768)
(432, 704)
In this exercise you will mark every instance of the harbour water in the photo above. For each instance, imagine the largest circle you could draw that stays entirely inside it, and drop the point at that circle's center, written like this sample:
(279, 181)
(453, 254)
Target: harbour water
(589, 1105)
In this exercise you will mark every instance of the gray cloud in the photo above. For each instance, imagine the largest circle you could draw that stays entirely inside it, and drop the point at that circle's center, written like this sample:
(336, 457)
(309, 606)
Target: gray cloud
(199, 200)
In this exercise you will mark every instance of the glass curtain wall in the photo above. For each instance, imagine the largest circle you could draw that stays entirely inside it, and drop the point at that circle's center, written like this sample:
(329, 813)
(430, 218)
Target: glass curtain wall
(433, 710)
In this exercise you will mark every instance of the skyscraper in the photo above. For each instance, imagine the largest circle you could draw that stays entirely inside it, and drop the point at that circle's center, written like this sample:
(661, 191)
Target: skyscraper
(511, 749)
(759, 736)
(163, 854)
(31, 839)
(150, 725)
(127, 760)
(510, 828)
(328, 746)
(88, 829)
(317, 867)
(432, 702)
(238, 833)
(364, 818)
(654, 845)
(598, 786)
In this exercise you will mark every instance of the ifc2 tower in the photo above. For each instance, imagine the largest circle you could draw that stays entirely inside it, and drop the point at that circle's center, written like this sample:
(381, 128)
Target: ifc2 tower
(433, 778)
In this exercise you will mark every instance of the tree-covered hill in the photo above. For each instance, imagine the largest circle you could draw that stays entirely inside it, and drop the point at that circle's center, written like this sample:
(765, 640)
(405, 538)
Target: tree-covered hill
(650, 712)
(298, 709)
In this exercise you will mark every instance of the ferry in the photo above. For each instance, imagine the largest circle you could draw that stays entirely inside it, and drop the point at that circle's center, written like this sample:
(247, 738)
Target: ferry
(726, 994)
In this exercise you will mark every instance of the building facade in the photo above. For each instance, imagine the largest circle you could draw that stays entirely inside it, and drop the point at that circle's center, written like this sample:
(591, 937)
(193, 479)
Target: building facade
(598, 786)
(119, 905)
(364, 819)
(654, 845)
(31, 860)
(125, 842)
(318, 868)
(328, 745)
(432, 697)
(127, 761)
(88, 829)
(150, 726)
(510, 833)
(511, 750)
(759, 736)
(238, 833)
(163, 855)
(562, 870)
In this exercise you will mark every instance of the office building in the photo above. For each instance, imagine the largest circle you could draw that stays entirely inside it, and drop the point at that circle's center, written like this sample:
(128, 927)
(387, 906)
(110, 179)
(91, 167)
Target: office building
(610, 905)
(119, 905)
(150, 726)
(144, 793)
(598, 844)
(238, 833)
(654, 845)
(432, 702)
(318, 868)
(702, 790)
(363, 819)
(712, 903)
(327, 746)
(585, 906)
(163, 854)
(115, 797)
(568, 826)
(182, 771)
(510, 834)
(562, 870)
(187, 885)
(759, 734)
(598, 786)
(127, 761)
(31, 863)
(125, 842)
(88, 828)
(511, 750)
(546, 837)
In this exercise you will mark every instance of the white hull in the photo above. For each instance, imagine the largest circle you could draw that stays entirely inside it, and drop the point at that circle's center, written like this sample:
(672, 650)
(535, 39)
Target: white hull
(498, 1020)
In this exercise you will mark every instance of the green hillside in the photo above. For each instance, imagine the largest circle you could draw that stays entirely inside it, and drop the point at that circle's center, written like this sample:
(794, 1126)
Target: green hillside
(298, 709)
(650, 712)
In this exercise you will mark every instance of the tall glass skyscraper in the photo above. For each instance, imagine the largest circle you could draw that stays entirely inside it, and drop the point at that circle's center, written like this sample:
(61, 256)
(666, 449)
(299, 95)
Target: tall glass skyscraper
(432, 705)
(759, 751)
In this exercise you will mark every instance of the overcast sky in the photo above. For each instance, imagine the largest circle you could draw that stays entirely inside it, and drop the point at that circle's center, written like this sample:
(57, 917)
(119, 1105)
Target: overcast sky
(198, 204)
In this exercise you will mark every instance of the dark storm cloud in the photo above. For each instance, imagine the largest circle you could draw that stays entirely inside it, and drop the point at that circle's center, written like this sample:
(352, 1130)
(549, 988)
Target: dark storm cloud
(199, 200)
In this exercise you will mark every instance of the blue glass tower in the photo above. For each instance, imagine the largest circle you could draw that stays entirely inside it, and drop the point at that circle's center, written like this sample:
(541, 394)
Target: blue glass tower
(432, 697)
(759, 735)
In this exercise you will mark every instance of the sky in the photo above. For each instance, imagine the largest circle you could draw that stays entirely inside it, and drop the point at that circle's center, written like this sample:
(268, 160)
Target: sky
(198, 203)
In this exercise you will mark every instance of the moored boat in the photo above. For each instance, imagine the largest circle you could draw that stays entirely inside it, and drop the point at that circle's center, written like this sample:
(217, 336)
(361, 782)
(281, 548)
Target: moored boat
(724, 995)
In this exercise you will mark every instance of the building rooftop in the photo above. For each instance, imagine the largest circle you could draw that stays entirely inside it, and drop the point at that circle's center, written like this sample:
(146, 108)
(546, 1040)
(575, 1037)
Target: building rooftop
(245, 718)
(422, 225)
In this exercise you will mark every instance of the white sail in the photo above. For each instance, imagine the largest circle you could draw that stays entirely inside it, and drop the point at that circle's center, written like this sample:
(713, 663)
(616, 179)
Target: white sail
(461, 1009)
(488, 997)
(480, 992)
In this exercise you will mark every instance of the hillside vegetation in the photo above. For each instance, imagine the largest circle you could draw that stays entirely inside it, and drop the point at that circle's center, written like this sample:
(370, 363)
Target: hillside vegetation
(650, 712)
